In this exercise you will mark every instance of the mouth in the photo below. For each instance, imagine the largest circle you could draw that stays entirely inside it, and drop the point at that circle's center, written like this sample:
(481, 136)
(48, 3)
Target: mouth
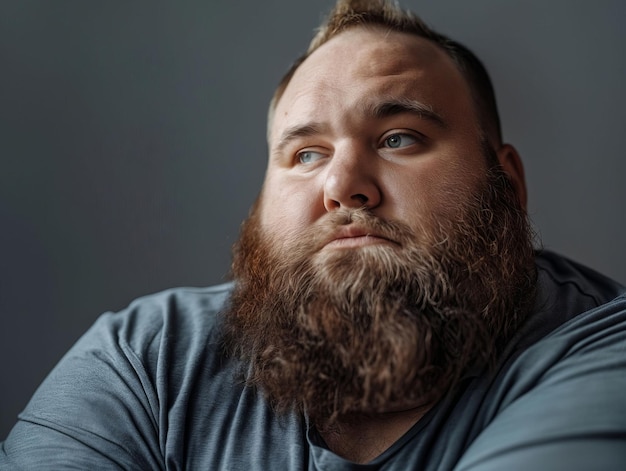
(353, 237)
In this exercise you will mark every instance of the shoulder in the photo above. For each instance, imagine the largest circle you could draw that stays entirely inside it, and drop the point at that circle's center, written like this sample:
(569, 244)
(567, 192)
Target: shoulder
(586, 286)
(580, 320)
(155, 321)
(565, 290)
(176, 304)
(124, 394)
(557, 401)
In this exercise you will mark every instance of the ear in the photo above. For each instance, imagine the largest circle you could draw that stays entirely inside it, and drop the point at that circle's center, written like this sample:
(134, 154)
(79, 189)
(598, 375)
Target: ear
(512, 165)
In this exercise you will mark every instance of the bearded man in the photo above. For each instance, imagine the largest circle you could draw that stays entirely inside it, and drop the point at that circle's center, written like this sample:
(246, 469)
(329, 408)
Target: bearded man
(388, 310)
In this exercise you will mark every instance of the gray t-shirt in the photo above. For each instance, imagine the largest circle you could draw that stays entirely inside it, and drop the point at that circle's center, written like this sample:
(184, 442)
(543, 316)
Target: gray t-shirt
(148, 389)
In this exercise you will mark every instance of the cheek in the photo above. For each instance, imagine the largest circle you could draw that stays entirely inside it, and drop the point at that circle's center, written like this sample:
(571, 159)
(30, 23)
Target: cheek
(433, 189)
(286, 209)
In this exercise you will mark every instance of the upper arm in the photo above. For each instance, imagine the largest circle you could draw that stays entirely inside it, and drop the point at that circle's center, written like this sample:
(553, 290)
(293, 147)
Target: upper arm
(97, 409)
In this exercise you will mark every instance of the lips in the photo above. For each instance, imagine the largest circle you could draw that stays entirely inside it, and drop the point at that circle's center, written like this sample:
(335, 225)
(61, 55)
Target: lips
(354, 236)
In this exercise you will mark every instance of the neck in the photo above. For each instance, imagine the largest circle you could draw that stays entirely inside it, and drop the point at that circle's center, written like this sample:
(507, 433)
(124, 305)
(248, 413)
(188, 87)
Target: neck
(361, 438)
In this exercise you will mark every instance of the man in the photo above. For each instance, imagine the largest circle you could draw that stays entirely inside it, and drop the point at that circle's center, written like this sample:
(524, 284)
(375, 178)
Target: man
(387, 308)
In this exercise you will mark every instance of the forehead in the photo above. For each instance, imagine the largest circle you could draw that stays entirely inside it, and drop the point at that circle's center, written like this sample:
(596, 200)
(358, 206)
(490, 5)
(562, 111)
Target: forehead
(362, 64)
(372, 51)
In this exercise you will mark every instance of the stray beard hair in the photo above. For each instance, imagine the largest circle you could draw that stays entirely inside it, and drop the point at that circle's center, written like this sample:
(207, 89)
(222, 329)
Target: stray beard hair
(332, 333)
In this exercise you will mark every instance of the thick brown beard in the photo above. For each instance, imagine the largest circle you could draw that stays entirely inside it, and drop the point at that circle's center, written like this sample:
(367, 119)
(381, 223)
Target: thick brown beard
(381, 327)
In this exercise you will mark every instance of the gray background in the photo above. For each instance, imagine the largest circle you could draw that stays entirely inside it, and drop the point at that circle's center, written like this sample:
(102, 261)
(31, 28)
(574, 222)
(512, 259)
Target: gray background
(132, 144)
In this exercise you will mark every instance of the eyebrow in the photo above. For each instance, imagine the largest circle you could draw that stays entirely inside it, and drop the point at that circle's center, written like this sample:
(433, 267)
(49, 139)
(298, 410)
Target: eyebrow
(295, 132)
(379, 110)
(393, 107)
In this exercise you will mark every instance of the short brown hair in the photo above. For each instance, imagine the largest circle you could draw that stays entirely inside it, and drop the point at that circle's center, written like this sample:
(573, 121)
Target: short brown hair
(386, 13)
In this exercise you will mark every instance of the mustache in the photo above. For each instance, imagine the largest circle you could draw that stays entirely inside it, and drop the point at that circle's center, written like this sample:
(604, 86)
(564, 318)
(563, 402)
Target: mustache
(360, 221)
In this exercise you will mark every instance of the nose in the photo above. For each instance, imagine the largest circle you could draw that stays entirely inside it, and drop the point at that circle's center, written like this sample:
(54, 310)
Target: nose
(351, 180)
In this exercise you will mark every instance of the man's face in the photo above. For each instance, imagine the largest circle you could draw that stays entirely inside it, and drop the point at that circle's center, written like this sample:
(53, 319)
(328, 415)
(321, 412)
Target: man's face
(376, 119)
(387, 254)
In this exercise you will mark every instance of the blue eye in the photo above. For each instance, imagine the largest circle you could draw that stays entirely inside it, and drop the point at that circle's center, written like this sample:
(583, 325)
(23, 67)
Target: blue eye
(398, 140)
(309, 156)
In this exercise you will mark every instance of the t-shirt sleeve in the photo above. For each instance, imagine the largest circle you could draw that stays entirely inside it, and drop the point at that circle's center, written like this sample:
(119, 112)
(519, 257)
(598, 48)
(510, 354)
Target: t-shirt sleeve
(117, 399)
(569, 415)
(97, 409)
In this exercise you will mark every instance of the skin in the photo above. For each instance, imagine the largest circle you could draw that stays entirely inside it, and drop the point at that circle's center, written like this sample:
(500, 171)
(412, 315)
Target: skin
(413, 161)
(348, 156)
